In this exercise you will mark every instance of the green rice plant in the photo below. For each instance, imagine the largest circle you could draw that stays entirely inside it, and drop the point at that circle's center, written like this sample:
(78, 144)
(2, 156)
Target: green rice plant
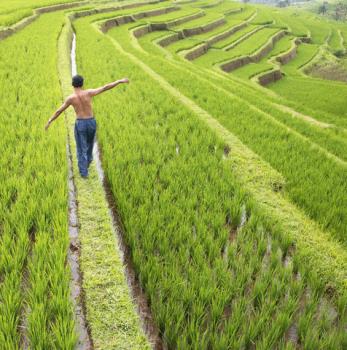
(244, 48)
(34, 278)
(12, 11)
(305, 53)
(181, 205)
(295, 24)
(315, 93)
(264, 16)
(235, 37)
(171, 17)
(281, 46)
(252, 69)
(209, 17)
(225, 114)
(319, 30)
(335, 41)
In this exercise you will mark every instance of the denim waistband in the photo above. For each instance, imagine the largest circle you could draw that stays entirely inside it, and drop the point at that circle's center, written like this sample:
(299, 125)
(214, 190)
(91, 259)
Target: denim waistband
(84, 118)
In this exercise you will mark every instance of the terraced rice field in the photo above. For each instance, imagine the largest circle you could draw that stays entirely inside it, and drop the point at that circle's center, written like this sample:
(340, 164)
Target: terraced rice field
(215, 212)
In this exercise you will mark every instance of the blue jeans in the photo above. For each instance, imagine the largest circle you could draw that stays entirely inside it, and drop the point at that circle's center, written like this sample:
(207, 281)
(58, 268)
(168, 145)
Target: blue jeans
(84, 135)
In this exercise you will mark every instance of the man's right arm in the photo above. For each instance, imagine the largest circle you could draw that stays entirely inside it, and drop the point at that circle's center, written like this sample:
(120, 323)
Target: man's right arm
(94, 92)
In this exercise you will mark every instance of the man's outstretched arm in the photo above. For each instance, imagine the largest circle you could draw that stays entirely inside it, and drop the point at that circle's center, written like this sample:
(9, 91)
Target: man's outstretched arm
(59, 111)
(94, 92)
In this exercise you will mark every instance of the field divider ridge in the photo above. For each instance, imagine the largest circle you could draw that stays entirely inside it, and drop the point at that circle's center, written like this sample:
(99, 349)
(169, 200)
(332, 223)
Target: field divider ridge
(111, 315)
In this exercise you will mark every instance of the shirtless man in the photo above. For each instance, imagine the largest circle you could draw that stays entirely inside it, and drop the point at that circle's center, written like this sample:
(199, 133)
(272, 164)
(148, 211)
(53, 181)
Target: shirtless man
(85, 126)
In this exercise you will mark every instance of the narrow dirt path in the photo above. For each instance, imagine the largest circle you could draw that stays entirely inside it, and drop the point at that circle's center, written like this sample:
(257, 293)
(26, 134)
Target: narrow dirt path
(316, 248)
(106, 315)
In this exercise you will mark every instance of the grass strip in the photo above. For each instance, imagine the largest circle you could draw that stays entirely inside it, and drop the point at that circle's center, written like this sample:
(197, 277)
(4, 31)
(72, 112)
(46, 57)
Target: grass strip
(111, 313)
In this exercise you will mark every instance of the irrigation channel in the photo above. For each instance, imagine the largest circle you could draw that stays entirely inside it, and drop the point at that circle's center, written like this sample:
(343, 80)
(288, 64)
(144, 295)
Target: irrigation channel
(84, 338)
(85, 341)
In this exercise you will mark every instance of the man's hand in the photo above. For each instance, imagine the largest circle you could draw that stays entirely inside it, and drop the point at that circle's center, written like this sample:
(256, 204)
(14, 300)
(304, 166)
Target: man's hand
(124, 81)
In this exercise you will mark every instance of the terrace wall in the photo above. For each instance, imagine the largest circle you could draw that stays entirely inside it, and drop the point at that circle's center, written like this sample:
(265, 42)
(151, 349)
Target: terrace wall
(167, 25)
(269, 77)
(141, 31)
(197, 52)
(202, 49)
(170, 39)
(289, 55)
(114, 22)
(256, 57)
(203, 29)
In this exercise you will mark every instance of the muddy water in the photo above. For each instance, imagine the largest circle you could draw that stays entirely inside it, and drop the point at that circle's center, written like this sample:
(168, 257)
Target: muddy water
(137, 293)
(84, 339)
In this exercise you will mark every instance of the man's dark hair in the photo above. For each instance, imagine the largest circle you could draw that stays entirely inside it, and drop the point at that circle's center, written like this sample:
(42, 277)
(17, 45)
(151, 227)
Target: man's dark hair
(77, 81)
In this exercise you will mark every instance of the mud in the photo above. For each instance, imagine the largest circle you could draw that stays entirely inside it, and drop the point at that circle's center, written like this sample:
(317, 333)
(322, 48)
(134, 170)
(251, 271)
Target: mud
(84, 335)
(233, 232)
(150, 328)
(24, 312)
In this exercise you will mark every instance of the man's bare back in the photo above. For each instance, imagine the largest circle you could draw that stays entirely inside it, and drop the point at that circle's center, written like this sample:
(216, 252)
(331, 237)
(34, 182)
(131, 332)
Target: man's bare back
(85, 126)
(81, 100)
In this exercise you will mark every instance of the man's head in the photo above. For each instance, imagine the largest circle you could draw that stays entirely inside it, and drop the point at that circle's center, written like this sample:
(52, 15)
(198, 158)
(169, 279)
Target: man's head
(77, 81)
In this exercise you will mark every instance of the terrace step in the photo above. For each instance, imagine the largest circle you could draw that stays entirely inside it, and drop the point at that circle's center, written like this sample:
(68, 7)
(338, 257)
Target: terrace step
(201, 49)
(313, 245)
(256, 57)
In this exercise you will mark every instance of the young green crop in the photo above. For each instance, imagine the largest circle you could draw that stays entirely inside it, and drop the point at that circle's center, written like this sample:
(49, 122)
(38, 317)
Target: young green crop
(35, 304)
(301, 181)
(335, 41)
(252, 69)
(305, 53)
(213, 279)
(250, 45)
(12, 11)
(235, 37)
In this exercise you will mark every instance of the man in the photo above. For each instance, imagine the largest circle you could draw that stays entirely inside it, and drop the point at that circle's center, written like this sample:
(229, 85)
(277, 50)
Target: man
(85, 126)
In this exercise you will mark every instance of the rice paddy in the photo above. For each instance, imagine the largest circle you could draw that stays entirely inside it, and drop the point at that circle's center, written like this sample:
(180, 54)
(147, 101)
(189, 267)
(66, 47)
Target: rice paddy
(215, 213)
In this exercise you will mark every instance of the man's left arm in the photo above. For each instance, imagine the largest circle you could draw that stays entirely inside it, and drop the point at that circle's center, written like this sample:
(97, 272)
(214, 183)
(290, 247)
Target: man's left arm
(59, 111)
